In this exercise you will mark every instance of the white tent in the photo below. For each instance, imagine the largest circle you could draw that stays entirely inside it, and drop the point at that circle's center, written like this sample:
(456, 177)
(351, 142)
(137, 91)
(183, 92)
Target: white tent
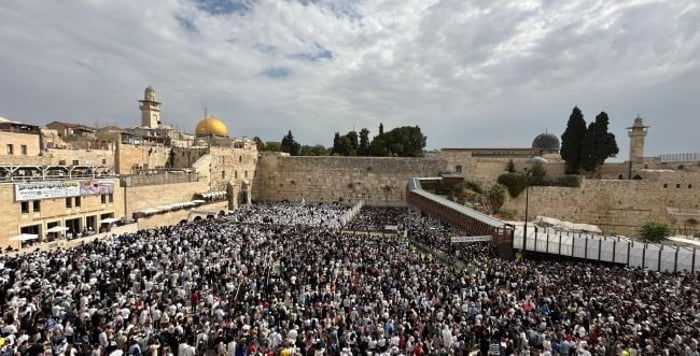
(109, 220)
(199, 201)
(24, 237)
(57, 228)
(150, 211)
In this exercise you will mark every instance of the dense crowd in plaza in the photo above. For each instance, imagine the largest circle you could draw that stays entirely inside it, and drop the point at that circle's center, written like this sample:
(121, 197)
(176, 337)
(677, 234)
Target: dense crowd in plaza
(286, 279)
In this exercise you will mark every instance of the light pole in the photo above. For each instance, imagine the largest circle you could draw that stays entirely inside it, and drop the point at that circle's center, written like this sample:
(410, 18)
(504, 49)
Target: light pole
(528, 174)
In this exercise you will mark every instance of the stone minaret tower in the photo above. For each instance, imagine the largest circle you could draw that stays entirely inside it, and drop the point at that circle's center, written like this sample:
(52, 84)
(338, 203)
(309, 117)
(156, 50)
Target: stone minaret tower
(150, 109)
(637, 132)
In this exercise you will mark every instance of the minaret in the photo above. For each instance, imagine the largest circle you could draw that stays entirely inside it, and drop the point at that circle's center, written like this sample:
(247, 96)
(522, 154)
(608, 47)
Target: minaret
(150, 109)
(637, 132)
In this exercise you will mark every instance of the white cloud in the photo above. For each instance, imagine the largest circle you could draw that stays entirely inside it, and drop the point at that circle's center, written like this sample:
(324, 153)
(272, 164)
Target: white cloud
(470, 73)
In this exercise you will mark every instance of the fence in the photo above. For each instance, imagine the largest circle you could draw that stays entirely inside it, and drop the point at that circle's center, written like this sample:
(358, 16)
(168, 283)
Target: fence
(350, 214)
(680, 157)
(657, 257)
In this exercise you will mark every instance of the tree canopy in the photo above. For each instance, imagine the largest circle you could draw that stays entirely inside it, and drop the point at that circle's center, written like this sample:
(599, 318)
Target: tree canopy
(571, 141)
(289, 145)
(587, 148)
(598, 144)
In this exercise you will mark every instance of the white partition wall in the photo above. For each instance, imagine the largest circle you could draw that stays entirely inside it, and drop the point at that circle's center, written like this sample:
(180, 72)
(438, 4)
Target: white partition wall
(621, 251)
(566, 244)
(553, 242)
(606, 250)
(651, 257)
(593, 248)
(668, 259)
(579, 247)
(685, 259)
(636, 257)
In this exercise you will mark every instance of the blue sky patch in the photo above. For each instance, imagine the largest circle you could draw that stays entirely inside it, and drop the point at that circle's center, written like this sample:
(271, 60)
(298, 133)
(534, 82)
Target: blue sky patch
(318, 53)
(224, 7)
(186, 24)
(277, 72)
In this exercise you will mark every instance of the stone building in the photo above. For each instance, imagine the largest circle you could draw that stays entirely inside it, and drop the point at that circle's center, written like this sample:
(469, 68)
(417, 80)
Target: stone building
(68, 178)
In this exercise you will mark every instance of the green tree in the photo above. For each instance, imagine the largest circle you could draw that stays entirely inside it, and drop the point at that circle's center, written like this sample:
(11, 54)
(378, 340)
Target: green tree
(352, 142)
(273, 146)
(259, 143)
(510, 167)
(571, 141)
(538, 173)
(316, 150)
(515, 183)
(496, 196)
(289, 145)
(598, 144)
(363, 149)
(654, 231)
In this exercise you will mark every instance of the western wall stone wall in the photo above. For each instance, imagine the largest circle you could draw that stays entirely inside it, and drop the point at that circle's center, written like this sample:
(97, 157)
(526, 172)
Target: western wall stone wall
(377, 180)
(618, 206)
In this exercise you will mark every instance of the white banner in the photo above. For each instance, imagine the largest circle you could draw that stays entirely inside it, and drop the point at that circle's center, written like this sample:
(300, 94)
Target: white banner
(46, 190)
(57, 190)
(459, 239)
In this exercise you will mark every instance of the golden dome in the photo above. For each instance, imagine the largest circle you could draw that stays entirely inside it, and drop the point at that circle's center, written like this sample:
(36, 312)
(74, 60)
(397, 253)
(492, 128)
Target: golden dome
(211, 126)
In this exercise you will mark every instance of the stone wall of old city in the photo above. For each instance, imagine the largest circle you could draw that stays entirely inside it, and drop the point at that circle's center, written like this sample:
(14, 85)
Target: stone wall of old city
(377, 180)
(142, 156)
(619, 206)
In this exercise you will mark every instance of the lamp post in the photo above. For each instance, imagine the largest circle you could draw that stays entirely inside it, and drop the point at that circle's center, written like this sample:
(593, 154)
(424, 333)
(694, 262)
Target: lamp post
(528, 174)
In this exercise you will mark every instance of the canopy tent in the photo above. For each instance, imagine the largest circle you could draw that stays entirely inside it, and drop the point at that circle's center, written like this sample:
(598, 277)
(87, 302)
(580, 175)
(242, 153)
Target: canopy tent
(109, 220)
(57, 228)
(150, 211)
(24, 237)
(199, 201)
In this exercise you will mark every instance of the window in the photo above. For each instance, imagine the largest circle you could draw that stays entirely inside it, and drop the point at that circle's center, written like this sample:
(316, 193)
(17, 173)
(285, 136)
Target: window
(235, 174)
(36, 206)
(110, 197)
(76, 162)
(665, 185)
(245, 174)
(458, 169)
(69, 203)
(104, 161)
(23, 150)
(77, 202)
(10, 149)
(103, 198)
(62, 162)
(223, 174)
(25, 207)
(678, 185)
(240, 159)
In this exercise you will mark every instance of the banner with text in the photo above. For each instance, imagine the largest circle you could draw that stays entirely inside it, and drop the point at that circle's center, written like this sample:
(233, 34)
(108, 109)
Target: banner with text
(460, 239)
(46, 190)
(57, 190)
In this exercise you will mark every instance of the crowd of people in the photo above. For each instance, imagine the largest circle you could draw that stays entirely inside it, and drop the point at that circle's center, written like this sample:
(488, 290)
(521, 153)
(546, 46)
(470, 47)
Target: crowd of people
(293, 213)
(285, 279)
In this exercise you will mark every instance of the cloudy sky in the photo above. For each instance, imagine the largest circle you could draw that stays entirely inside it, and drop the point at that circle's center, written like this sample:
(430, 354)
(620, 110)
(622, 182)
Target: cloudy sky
(470, 73)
